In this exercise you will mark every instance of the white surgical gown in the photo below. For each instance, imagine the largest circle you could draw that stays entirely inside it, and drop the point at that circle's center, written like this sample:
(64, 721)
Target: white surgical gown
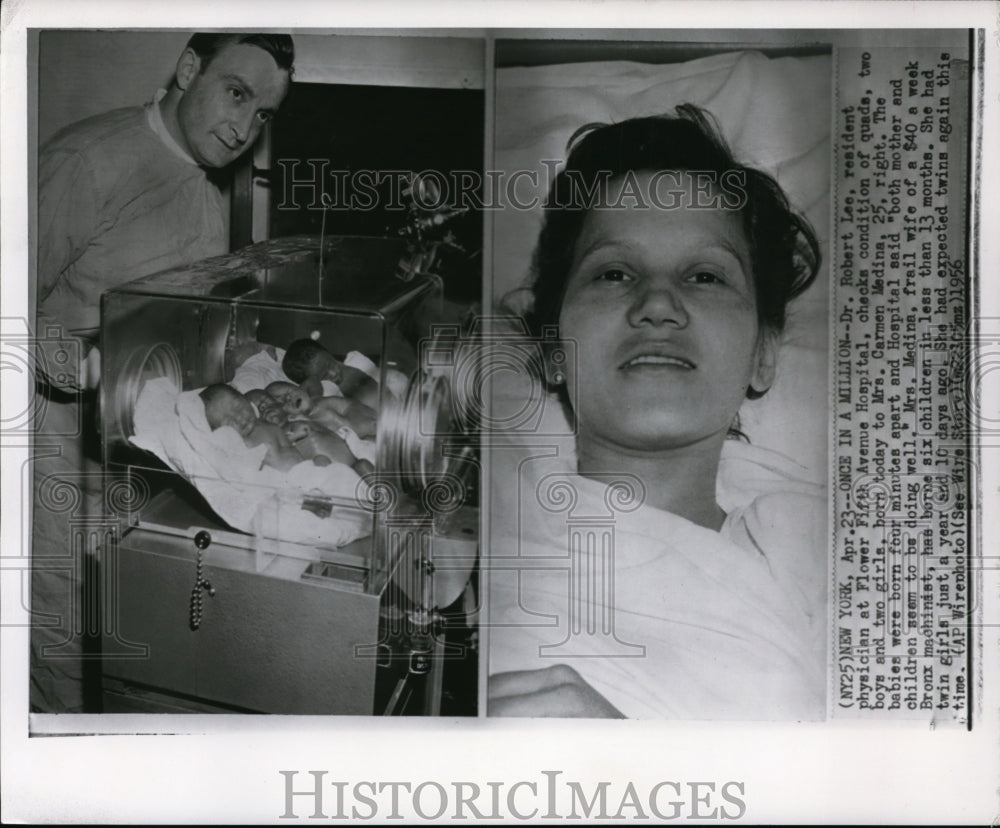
(117, 199)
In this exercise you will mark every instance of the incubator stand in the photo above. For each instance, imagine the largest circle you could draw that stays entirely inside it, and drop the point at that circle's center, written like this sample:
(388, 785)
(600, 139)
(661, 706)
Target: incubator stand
(208, 617)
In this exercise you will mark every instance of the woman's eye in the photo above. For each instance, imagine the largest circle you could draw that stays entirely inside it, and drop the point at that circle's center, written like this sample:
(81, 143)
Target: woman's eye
(263, 117)
(614, 274)
(707, 277)
(237, 94)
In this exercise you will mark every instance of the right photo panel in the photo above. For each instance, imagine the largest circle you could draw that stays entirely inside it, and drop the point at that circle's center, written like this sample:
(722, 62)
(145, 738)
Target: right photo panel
(727, 465)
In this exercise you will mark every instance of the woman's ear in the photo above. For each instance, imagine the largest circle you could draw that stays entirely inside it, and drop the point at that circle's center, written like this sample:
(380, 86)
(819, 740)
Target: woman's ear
(188, 66)
(765, 362)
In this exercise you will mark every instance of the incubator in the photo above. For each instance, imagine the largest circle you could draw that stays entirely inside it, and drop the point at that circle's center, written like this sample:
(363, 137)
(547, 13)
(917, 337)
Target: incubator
(232, 586)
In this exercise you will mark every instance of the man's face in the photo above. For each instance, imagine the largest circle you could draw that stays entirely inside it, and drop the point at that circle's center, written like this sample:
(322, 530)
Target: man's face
(224, 107)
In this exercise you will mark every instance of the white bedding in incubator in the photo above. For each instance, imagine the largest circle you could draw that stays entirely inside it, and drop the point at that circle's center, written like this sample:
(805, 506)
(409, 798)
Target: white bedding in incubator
(233, 476)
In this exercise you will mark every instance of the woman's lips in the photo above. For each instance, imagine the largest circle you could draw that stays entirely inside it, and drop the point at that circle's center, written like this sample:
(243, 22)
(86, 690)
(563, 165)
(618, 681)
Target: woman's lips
(655, 360)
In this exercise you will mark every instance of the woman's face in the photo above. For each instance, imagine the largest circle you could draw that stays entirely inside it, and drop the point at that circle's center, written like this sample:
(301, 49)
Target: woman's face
(661, 307)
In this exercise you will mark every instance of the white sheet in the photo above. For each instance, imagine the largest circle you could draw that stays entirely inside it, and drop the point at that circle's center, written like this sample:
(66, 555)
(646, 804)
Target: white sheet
(172, 425)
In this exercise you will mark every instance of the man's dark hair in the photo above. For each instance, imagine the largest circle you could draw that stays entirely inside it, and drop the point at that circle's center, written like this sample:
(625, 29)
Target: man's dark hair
(207, 45)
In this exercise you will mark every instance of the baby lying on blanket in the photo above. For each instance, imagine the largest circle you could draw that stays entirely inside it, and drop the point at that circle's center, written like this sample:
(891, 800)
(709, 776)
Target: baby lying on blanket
(268, 407)
(333, 413)
(319, 444)
(288, 444)
(225, 406)
(308, 363)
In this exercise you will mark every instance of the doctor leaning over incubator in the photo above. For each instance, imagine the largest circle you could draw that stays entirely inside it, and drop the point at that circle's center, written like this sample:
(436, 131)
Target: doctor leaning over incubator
(120, 196)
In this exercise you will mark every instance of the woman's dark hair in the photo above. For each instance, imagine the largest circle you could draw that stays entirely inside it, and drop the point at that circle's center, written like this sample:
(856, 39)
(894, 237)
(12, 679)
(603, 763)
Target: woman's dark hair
(207, 45)
(784, 251)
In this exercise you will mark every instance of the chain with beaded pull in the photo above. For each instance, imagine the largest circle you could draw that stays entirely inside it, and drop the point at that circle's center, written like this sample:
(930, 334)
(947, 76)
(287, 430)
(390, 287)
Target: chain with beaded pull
(201, 541)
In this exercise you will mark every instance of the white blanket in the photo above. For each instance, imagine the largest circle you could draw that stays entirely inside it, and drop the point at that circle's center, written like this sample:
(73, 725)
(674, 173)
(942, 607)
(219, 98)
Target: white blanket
(230, 476)
(249, 497)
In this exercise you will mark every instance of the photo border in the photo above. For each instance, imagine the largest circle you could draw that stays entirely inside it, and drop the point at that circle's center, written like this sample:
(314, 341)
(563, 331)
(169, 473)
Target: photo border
(228, 769)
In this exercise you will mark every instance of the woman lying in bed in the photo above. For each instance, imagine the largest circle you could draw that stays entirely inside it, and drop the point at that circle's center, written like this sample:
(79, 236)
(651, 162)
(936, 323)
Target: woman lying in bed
(670, 266)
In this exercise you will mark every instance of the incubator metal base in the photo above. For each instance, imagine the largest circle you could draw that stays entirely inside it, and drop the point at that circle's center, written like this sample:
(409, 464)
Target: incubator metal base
(300, 637)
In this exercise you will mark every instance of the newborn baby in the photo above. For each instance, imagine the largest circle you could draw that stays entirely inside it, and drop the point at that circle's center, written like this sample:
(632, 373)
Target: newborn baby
(268, 407)
(225, 406)
(334, 413)
(314, 441)
(308, 363)
(287, 444)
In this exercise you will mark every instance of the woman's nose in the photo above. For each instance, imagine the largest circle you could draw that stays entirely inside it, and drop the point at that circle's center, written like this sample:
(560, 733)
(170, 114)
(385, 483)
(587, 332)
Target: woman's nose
(658, 304)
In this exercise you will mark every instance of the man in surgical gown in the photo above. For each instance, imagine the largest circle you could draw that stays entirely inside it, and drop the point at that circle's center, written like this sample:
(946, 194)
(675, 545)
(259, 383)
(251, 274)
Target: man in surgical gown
(120, 195)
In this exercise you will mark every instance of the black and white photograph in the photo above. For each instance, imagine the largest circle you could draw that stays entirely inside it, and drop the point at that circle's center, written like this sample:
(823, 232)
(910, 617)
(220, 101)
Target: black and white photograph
(691, 480)
(254, 473)
(726, 213)
(459, 412)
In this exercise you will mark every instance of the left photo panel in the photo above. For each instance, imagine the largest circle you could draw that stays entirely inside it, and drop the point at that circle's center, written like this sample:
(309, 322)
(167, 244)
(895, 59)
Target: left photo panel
(255, 475)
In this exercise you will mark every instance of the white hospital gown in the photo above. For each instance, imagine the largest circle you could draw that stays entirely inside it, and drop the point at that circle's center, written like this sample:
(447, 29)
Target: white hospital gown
(664, 618)
(117, 200)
